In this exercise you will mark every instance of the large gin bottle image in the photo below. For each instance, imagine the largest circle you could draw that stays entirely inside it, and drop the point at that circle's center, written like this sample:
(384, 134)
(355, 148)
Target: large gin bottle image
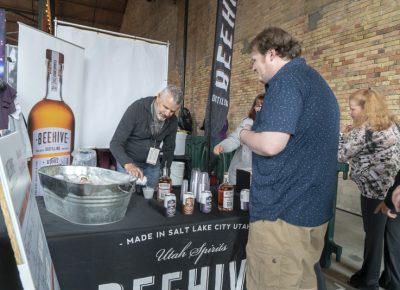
(51, 123)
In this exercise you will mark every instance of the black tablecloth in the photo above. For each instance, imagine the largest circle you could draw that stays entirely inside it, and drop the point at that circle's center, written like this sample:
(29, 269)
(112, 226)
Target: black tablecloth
(147, 248)
(9, 278)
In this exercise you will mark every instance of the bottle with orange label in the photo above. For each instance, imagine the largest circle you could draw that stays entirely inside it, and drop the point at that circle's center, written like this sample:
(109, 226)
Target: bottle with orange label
(51, 123)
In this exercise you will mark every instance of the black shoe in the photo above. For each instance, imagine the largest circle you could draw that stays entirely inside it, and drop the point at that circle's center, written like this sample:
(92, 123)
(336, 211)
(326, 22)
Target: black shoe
(382, 283)
(385, 283)
(355, 282)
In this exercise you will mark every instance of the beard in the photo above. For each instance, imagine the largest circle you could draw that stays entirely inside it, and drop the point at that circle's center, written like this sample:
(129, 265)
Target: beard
(161, 117)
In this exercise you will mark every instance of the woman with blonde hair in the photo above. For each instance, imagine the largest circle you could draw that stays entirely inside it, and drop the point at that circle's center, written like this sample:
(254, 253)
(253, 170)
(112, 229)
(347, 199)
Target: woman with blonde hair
(372, 143)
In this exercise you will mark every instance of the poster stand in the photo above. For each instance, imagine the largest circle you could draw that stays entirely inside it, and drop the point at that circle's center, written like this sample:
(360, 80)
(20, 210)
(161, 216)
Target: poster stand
(22, 218)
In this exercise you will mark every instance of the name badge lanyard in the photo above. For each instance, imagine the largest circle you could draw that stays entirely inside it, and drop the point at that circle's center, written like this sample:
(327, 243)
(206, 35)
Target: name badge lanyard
(155, 129)
(156, 126)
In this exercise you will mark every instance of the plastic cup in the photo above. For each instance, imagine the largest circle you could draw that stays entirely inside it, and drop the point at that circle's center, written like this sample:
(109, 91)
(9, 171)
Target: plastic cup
(148, 192)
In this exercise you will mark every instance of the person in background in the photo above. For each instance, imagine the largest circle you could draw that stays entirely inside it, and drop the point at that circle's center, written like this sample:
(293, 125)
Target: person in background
(372, 144)
(390, 277)
(146, 124)
(391, 204)
(242, 156)
(294, 141)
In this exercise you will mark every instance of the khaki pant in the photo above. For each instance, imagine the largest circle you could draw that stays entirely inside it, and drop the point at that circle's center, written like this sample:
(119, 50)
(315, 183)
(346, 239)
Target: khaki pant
(282, 256)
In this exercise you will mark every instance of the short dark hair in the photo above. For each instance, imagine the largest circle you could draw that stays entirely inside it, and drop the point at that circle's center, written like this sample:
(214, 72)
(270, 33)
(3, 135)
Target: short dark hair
(284, 44)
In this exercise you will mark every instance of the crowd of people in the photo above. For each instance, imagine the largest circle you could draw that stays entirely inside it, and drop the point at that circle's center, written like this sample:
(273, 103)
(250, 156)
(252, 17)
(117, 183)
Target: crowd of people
(290, 139)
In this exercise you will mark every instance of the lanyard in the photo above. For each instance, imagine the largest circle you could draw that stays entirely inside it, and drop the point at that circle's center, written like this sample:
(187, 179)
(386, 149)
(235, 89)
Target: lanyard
(156, 125)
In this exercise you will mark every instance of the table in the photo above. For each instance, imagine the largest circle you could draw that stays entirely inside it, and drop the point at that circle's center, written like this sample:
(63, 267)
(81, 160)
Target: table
(147, 248)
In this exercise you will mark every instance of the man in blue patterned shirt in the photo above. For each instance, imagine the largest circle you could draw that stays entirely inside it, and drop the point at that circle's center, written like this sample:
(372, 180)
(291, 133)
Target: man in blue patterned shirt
(294, 141)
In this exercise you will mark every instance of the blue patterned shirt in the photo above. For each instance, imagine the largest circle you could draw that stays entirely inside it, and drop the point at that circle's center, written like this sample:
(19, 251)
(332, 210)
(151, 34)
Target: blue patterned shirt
(297, 185)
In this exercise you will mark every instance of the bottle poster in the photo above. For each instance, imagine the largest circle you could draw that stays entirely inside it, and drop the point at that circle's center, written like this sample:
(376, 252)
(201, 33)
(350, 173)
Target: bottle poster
(22, 218)
(43, 58)
(51, 123)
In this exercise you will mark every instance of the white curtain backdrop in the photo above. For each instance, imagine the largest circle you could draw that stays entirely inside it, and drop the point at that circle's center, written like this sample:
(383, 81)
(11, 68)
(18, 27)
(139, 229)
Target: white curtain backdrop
(118, 71)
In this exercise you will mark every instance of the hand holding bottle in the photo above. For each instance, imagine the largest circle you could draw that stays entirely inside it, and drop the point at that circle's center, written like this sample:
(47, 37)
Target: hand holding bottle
(133, 170)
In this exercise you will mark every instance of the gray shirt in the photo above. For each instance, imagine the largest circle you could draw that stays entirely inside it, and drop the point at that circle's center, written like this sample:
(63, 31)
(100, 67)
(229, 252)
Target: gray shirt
(242, 156)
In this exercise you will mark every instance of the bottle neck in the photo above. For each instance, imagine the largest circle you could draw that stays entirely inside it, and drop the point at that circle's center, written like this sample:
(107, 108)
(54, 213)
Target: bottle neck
(165, 171)
(54, 79)
(226, 178)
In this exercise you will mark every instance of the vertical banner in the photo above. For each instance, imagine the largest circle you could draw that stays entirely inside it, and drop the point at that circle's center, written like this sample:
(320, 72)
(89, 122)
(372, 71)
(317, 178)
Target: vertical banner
(218, 97)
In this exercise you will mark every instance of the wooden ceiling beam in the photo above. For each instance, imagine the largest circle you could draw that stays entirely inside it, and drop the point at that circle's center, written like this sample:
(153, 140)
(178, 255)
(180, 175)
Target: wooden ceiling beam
(90, 24)
(32, 18)
(92, 6)
(17, 10)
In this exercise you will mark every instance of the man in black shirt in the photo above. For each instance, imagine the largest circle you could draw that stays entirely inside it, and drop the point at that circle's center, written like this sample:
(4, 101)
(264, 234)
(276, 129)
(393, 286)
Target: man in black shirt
(146, 124)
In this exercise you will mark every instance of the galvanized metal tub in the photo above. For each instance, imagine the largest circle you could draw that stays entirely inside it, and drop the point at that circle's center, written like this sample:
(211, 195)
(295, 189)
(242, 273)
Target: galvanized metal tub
(86, 195)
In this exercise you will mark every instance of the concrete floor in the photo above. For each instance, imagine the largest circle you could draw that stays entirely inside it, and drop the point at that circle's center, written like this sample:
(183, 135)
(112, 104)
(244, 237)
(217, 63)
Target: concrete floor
(350, 235)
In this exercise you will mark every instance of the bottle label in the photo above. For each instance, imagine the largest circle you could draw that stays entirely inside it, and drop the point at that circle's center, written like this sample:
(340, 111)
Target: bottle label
(45, 143)
(38, 163)
(170, 204)
(228, 199)
(163, 189)
(51, 140)
(245, 195)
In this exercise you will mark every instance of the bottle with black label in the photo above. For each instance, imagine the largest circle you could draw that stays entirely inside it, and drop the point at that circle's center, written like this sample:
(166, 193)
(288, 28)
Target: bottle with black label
(164, 185)
(51, 123)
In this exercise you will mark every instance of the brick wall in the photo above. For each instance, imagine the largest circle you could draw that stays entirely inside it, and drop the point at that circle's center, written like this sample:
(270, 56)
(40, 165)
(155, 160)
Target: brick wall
(353, 44)
(161, 20)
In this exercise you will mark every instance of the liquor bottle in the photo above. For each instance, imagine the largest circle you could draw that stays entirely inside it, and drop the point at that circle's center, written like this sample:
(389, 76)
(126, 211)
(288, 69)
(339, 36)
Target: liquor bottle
(164, 185)
(51, 123)
(225, 195)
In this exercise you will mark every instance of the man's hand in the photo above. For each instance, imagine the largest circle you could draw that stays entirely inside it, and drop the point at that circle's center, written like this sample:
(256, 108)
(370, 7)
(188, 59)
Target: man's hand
(218, 149)
(131, 169)
(241, 129)
(385, 210)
